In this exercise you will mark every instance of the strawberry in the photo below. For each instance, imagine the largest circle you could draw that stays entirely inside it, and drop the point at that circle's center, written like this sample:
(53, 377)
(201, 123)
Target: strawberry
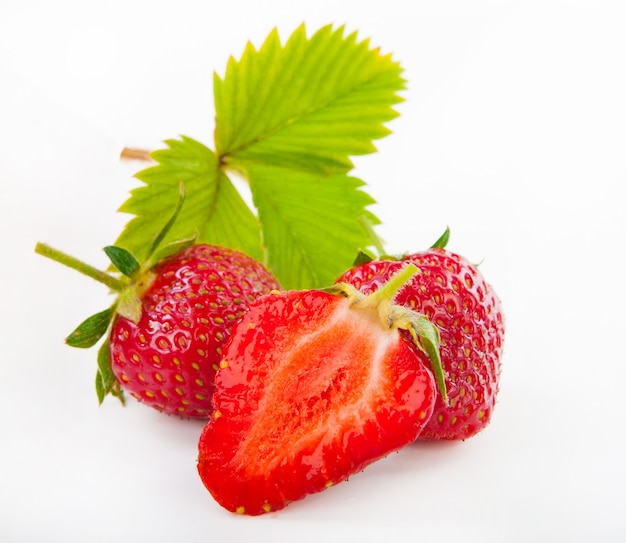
(454, 295)
(168, 358)
(169, 322)
(313, 386)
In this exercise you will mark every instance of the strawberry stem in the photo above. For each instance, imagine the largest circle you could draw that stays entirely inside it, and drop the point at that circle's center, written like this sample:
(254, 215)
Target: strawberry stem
(389, 290)
(62, 258)
(382, 299)
(129, 153)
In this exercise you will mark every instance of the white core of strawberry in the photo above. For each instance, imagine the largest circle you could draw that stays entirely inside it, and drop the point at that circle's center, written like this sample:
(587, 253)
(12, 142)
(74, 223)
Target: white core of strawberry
(424, 333)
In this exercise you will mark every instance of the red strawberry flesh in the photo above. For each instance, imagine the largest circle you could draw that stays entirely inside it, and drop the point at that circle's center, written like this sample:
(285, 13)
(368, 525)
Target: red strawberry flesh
(310, 391)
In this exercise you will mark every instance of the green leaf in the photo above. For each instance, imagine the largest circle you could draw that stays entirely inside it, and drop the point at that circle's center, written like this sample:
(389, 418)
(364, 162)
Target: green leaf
(311, 225)
(90, 330)
(288, 118)
(106, 382)
(213, 209)
(309, 104)
(123, 260)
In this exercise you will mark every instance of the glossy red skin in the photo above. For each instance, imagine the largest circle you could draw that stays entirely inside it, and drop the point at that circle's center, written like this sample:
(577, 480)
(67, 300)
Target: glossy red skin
(168, 360)
(294, 417)
(455, 296)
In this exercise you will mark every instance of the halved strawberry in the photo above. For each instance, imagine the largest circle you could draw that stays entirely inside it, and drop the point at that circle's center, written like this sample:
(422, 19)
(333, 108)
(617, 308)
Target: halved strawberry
(313, 387)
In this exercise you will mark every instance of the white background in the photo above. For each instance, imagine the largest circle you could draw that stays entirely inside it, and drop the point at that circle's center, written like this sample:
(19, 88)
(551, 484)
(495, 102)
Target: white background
(513, 132)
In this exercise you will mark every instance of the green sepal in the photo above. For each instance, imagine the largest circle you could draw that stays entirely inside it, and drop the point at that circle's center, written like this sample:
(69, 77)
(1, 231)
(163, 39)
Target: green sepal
(363, 257)
(129, 305)
(426, 337)
(158, 239)
(170, 249)
(100, 388)
(89, 332)
(106, 382)
(442, 241)
(123, 260)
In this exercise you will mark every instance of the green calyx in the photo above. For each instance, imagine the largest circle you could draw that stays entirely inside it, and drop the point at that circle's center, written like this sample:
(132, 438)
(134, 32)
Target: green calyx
(128, 304)
(423, 332)
(135, 278)
(130, 285)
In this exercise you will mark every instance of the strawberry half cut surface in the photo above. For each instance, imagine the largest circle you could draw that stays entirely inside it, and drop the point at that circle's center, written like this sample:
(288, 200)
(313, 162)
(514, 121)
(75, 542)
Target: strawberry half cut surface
(314, 386)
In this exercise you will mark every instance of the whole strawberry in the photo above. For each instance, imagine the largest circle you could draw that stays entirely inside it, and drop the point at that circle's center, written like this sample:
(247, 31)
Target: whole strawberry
(313, 387)
(165, 331)
(453, 294)
(168, 358)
